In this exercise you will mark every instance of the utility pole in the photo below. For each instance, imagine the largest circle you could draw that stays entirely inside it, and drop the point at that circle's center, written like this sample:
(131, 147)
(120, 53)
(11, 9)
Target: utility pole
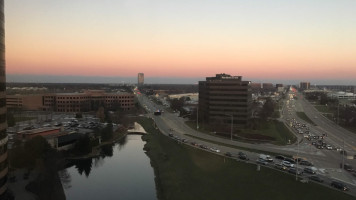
(197, 117)
(232, 125)
(338, 112)
(343, 153)
(296, 169)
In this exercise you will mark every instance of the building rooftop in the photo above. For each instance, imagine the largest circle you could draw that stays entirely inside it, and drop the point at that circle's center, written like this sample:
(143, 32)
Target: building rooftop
(38, 130)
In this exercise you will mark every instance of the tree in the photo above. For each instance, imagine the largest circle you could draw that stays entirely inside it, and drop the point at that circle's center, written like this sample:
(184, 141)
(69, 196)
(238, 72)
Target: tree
(78, 115)
(101, 114)
(10, 119)
(107, 132)
(267, 109)
(177, 104)
(82, 146)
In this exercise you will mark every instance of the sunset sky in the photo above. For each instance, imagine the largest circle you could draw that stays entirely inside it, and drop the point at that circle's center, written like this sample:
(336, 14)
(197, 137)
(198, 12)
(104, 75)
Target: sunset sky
(262, 39)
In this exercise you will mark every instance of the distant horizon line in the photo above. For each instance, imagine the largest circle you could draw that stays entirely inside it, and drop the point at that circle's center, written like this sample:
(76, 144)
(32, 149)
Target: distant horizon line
(25, 78)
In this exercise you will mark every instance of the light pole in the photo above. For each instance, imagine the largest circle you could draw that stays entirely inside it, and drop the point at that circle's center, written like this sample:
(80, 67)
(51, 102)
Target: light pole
(296, 169)
(197, 118)
(232, 124)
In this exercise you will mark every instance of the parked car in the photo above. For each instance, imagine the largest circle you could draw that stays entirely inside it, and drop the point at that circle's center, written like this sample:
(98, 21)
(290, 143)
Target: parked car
(287, 164)
(348, 167)
(228, 154)
(214, 149)
(316, 178)
(305, 162)
(339, 185)
(291, 160)
(293, 170)
(261, 161)
(243, 156)
(203, 146)
(266, 157)
(279, 166)
(309, 170)
(184, 140)
(170, 134)
(280, 157)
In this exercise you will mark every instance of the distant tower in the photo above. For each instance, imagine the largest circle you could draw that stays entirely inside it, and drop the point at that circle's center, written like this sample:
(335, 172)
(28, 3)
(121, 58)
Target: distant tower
(3, 122)
(304, 85)
(140, 79)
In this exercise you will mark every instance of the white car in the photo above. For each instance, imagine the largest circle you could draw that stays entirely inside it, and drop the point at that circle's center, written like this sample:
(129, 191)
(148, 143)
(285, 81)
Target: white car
(214, 149)
(287, 164)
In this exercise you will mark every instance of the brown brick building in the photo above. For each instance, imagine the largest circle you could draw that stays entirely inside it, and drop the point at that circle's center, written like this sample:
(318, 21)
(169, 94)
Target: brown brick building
(71, 102)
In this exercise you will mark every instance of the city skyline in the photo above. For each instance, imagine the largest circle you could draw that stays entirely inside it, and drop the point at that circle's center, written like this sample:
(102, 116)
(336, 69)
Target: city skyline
(279, 40)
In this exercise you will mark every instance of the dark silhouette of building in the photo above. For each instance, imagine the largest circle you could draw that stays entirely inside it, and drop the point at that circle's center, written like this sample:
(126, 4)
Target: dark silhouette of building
(3, 123)
(223, 96)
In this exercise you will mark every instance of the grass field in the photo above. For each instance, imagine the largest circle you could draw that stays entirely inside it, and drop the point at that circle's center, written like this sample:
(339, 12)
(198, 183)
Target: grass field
(323, 109)
(277, 131)
(304, 117)
(184, 172)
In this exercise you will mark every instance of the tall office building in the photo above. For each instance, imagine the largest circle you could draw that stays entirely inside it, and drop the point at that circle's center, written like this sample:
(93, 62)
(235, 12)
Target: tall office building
(140, 79)
(3, 122)
(304, 85)
(223, 96)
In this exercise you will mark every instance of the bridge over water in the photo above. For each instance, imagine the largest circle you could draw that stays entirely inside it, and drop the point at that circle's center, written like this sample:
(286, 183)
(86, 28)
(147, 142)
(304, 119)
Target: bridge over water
(138, 129)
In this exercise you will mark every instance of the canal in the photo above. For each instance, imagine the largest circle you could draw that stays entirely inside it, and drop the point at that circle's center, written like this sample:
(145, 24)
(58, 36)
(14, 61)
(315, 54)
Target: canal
(123, 172)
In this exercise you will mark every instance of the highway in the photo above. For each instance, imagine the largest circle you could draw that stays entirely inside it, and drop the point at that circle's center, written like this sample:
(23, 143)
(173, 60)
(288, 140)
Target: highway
(326, 161)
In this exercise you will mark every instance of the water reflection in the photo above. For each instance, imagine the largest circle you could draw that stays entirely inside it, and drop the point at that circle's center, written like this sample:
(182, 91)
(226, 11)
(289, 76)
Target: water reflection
(120, 172)
(122, 142)
(83, 165)
(107, 150)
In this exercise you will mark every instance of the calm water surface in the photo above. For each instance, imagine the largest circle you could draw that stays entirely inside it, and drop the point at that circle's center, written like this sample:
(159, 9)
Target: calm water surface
(123, 173)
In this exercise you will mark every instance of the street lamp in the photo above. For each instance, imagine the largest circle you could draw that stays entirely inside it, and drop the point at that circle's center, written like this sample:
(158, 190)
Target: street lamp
(197, 118)
(232, 124)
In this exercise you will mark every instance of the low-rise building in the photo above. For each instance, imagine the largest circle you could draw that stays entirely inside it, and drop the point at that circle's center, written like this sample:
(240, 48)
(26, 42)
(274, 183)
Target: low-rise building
(72, 102)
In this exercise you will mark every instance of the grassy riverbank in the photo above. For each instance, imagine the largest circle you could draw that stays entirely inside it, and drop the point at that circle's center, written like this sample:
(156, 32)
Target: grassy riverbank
(184, 172)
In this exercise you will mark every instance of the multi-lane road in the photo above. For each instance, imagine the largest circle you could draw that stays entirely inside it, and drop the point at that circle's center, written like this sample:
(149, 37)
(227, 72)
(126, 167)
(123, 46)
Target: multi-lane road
(326, 161)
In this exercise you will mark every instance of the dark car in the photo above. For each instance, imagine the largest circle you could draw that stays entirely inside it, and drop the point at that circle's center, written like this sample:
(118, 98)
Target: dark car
(348, 167)
(170, 134)
(299, 160)
(194, 143)
(228, 154)
(339, 185)
(243, 157)
(306, 163)
(203, 146)
(261, 161)
(291, 160)
(241, 154)
(280, 157)
(292, 170)
(309, 170)
(279, 166)
(316, 178)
